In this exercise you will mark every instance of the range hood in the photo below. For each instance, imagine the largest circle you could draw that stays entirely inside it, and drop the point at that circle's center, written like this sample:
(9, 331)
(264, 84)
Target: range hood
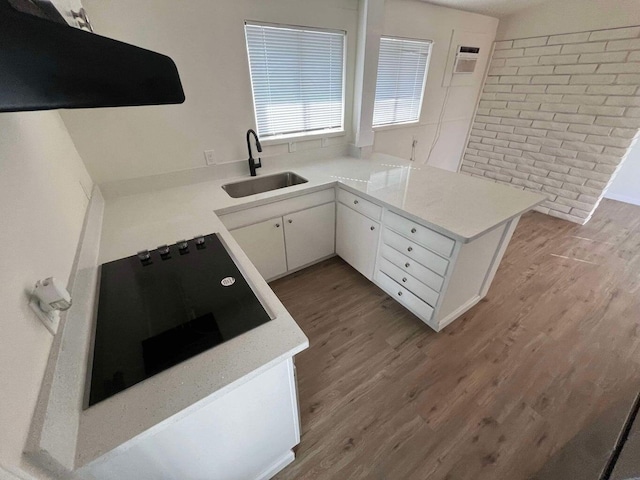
(46, 64)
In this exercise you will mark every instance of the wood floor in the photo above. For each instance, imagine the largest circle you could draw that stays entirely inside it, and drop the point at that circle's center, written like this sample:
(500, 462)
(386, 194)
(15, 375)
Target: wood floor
(534, 382)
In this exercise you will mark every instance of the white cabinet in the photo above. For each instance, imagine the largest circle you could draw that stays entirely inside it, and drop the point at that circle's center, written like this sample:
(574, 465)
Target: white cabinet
(264, 245)
(357, 240)
(310, 235)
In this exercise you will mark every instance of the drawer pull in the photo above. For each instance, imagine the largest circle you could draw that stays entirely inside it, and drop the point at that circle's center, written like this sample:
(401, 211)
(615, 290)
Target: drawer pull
(372, 227)
(410, 249)
(290, 221)
(355, 202)
(413, 230)
(406, 265)
(404, 279)
(277, 225)
(399, 294)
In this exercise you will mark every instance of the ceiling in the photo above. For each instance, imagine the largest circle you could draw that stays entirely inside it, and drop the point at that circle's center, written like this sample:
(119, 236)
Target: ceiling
(494, 8)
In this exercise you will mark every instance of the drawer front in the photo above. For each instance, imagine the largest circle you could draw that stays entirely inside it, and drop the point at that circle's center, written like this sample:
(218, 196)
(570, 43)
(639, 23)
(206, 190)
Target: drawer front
(409, 282)
(404, 296)
(359, 204)
(426, 276)
(420, 234)
(416, 252)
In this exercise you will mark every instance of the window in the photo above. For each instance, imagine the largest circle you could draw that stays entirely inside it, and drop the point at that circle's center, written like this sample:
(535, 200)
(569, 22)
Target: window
(297, 75)
(402, 73)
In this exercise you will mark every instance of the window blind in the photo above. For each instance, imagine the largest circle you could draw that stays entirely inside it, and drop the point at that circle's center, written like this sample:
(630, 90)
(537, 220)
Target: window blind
(297, 79)
(402, 68)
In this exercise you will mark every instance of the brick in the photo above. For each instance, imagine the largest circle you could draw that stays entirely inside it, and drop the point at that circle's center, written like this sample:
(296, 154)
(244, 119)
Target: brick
(573, 69)
(508, 151)
(552, 167)
(519, 52)
(535, 70)
(559, 152)
(516, 122)
(551, 79)
(536, 171)
(494, 142)
(574, 203)
(512, 137)
(475, 158)
(529, 88)
(583, 189)
(628, 79)
(582, 147)
(471, 151)
(531, 132)
(544, 98)
(557, 208)
(568, 38)
(570, 89)
(514, 173)
(504, 45)
(634, 57)
(487, 119)
(515, 80)
(632, 112)
(497, 88)
(550, 50)
(498, 62)
(605, 168)
(589, 174)
(548, 142)
(612, 89)
(592, 79)
(624, 101)
(587, 198)
(487, 168)
(504, 113)
(502, 164)
(488, 104)
(560, 127)
(525, 147)
(480, 146)
(467, 169)
(614, 34)
(503, 71)
(624, 122)
(621, 152)
(619, 68)
(584, 47)
(519, 160)
(565, 216)
(599, 158)
(538, 157)
(499, 128)
(630, 44)
(590, 129)
(530, 42)
(580, 213)
(521, 61)
(488, 96)
(532, 115)
(566, 178)
(483, 133)
(575, 162)
(567, 136)
(478, 126)
(526, 183)
(596, 184)
(584, 99)
(561, 192)
(610, 141)
(482, 111)
(624, 132)
(498, 176)
(511, 97)
(473, 138)
(608, 57)
(492, 80)
(559, 107)
(491, 156)
(558, 60)
(600, 110)
(574, 118)
(523, 105)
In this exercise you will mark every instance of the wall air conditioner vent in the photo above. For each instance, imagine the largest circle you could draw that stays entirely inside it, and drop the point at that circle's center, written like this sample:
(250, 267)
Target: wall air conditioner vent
(466, 59)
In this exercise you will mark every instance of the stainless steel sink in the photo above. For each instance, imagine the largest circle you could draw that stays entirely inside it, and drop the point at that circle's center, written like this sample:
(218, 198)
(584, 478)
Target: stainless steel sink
(263, 184)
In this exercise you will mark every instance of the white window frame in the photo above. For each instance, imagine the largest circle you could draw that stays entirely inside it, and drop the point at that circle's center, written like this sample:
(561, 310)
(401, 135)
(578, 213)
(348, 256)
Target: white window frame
(305, 135)
(393, 125)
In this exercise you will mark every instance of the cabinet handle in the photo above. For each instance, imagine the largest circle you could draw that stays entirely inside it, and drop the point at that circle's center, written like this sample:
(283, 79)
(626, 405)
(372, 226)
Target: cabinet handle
(277, 225)
(413, 230)
(410, 249)
(406, 265)
(404, 279)
(372, 228)
(399, 294)
(355, 202)
(290, 221)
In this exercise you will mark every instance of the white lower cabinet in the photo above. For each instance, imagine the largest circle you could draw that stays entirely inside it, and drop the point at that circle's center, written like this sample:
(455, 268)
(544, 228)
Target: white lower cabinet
(310, 235)
(264, 245)
(357, 240)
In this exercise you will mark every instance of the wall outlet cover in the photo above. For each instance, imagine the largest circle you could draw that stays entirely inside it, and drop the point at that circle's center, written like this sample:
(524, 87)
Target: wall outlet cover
(50, 320)
(210, 157)
(292, 147)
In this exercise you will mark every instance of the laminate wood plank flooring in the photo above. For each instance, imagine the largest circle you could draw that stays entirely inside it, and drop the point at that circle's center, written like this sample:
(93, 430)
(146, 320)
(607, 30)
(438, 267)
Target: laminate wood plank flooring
(533, 382)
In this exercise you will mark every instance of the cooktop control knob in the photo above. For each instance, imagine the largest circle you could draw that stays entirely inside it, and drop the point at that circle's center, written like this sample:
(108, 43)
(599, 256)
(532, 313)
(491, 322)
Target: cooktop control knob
(144, 256)
(164, 252)
(199, 241)
(183, 246)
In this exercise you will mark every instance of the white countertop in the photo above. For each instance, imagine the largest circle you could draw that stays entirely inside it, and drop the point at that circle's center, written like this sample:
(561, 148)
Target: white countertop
(146, 216)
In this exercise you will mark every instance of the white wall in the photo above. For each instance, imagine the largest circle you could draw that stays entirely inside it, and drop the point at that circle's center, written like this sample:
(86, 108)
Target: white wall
(626, 184)
(420, 20)
(206, 40)
(42, 206)
(568, 16)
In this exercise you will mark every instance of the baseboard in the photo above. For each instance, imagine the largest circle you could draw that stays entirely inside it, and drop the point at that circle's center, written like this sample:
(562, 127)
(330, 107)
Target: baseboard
(623, 198)
(282, 462)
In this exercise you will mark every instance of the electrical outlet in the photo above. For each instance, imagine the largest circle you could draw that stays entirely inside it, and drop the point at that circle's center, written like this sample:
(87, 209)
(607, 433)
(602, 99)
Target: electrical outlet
(210, 157)
(292, 147)
(324, 142)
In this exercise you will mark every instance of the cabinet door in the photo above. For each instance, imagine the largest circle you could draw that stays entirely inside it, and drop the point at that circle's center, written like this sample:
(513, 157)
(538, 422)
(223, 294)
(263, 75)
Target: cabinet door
(264, 245)
(357, 240)
(310, 235)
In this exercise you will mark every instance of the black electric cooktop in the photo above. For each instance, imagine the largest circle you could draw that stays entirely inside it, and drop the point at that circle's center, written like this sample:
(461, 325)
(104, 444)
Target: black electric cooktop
(159, 308)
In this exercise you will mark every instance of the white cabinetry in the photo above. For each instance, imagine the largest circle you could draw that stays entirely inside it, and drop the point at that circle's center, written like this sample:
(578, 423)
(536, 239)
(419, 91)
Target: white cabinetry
(310, 235)
(357, 240)
(264, 245)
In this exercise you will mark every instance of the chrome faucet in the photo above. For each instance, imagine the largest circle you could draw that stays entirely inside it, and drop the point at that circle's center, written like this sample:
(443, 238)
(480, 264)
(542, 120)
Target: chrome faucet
(252, 163)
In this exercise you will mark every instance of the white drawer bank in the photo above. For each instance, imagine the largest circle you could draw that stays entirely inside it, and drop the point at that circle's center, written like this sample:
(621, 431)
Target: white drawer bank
(433, 275)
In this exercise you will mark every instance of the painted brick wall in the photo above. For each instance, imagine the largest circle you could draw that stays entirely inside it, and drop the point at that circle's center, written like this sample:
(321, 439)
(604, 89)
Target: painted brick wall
(557, 116)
